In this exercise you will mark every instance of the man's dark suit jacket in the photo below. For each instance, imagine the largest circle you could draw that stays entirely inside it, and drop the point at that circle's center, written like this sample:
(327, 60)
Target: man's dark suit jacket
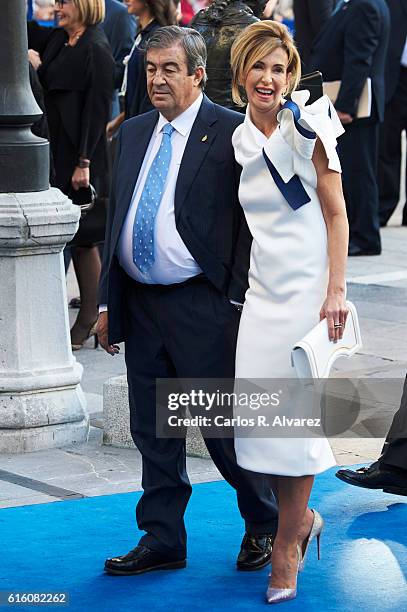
(398, 29)
(351, 47)
(137, 100)
(310, 16)
(208, 215)
(120, 30)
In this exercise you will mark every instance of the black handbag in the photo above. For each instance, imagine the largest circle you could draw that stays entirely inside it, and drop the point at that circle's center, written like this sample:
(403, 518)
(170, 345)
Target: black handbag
(84, 197)
(312, 82)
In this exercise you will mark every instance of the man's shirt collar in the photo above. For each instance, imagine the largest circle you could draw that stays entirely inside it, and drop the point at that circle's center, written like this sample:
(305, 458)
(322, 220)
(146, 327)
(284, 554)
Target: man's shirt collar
(184, 122)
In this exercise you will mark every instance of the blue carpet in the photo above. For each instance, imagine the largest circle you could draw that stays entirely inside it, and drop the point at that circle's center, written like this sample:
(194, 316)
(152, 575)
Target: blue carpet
(62, 546)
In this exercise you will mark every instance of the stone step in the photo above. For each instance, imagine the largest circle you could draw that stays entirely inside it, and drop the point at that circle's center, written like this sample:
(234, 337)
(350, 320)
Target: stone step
(116, 429)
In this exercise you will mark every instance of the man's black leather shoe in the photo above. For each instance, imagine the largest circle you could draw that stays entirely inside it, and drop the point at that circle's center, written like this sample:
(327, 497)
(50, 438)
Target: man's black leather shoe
(376, 477)
(355, 251)
(139, 560)
(255, 552)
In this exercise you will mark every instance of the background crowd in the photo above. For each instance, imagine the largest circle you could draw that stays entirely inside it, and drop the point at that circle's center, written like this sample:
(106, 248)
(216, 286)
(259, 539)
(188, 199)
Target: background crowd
(91, 72)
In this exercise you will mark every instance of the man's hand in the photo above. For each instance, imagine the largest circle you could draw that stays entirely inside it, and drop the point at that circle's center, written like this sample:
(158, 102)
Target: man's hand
(345, 118)
(101, 330)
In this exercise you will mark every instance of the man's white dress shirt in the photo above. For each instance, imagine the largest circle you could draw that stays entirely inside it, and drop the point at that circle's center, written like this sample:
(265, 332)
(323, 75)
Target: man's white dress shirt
(173, 262)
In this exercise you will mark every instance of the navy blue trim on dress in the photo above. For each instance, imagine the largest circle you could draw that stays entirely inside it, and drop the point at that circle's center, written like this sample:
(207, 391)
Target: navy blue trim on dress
(293, 191)
(295, 109)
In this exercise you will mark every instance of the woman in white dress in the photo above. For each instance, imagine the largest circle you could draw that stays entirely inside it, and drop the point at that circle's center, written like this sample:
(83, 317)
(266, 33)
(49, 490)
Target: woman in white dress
(291, 192)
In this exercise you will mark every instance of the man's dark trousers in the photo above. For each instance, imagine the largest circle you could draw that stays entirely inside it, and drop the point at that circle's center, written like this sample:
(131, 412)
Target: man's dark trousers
(351, 47)
(394, 452)
(395, 121)
(184, 331)
(358, 152)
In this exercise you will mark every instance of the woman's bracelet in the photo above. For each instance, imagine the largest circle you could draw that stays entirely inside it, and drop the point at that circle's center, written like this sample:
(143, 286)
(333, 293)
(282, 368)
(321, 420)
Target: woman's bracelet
(83, 163)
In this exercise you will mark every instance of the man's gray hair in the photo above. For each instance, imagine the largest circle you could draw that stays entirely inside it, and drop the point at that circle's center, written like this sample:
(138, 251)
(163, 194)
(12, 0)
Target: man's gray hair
(190, 40)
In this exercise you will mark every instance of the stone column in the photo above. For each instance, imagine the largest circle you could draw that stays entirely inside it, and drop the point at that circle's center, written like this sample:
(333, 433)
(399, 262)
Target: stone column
(41, 402)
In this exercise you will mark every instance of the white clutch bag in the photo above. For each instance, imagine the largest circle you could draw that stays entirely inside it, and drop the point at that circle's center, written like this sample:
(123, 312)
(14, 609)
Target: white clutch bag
(314, 355)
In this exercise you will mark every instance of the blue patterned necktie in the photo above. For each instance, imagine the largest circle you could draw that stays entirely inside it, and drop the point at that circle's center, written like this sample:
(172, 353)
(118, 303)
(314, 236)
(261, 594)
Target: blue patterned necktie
(143, 229)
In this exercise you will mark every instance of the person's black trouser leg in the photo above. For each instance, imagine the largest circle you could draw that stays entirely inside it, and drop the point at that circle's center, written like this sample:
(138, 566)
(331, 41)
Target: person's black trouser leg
(254, 495)
(67, 257)
(389, 168)
(165, 482)
(394, 452)
(186, 332)
(358, 152)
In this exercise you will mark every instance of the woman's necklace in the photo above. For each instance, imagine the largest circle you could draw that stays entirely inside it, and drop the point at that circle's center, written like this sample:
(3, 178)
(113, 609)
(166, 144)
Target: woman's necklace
(73, 38)
(145, 25)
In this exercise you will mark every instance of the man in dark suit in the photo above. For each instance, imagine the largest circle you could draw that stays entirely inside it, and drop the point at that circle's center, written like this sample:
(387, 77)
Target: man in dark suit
(395, 115)
(351, 48)
(175, 268)
(120, 30)
(309, 16)
(389, 472)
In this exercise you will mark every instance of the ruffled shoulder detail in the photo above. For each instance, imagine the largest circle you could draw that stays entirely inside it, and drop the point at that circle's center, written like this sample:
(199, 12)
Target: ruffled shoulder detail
(300, 126)
(247, 140)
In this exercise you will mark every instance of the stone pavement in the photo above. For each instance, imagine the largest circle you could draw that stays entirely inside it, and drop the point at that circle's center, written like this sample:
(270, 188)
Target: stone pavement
(377, 285)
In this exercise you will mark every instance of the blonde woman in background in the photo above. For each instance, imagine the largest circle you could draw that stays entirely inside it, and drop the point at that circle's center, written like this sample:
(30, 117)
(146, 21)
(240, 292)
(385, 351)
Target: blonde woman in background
(76, 71)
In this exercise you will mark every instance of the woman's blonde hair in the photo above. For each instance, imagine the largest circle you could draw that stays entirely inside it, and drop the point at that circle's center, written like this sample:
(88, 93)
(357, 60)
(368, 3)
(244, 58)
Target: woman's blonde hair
(90, 12)
(255, 42)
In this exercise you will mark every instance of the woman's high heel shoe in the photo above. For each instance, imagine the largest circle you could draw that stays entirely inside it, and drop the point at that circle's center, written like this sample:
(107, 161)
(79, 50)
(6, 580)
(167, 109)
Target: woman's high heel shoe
(90, 333)
(315, 532)
(275, 595)
(279, 595)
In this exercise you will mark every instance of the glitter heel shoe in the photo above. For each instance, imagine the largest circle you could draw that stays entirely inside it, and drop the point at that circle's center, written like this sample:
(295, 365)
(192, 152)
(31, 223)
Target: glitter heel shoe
(315, 532)
(274, 595)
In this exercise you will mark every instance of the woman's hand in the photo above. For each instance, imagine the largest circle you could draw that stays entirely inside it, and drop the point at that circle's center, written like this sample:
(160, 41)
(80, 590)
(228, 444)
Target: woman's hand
(335, 311)
(111, 129)
(113, 126)
(80, 178)
(34, 59)
(268, 9)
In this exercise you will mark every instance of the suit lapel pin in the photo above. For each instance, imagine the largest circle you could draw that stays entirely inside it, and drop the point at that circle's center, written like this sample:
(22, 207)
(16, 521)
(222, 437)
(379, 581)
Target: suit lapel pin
(204, 138)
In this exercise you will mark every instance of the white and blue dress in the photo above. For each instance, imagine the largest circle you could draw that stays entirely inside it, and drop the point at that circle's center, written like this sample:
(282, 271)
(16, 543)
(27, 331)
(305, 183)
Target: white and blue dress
(288, 273)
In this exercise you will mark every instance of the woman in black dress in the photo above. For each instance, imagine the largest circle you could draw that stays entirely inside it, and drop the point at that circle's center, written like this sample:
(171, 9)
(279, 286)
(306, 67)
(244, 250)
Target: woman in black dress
(77, 74)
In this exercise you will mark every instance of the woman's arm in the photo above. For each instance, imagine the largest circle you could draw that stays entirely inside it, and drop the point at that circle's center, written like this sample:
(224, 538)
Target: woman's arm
(38, 36)
(329, 189)
(114, 125)
(96, 109)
